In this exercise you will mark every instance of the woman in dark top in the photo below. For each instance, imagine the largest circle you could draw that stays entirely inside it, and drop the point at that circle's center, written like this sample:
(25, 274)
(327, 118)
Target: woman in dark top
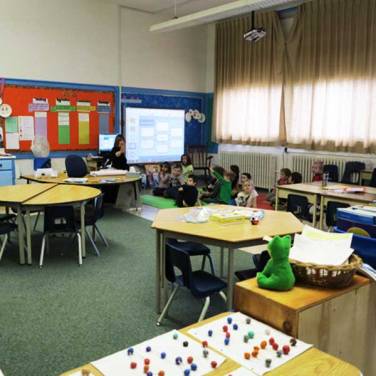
(117, 154)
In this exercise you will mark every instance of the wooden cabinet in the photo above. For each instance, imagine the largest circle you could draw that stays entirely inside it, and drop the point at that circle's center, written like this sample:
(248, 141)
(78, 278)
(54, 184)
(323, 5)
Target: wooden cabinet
(341, 322)
(7, 171)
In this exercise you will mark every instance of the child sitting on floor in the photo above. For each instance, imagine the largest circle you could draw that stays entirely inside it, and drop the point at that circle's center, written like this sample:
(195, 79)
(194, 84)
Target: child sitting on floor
(225, 187)
(248, 196)
(235, 180)
(164, 177)
(317, 170)
(245, 176)
(214, 187)
(176, 181)
(187, 194)
(187, 168)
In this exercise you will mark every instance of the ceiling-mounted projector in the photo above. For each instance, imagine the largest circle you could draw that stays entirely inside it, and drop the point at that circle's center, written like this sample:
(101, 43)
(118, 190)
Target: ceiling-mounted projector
(255, 33)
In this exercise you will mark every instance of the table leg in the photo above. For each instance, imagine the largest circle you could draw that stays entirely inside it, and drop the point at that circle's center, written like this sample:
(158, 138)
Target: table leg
(222, 261)
(158, 276)
(230, 278)
(83, 243)
(314, 211)
(321, 212)
(21, 242)
(163, 271)
(276, 199)
(28, 237)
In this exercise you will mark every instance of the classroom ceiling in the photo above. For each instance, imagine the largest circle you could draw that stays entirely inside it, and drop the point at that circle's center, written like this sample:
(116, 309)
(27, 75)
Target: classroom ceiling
(183, 6)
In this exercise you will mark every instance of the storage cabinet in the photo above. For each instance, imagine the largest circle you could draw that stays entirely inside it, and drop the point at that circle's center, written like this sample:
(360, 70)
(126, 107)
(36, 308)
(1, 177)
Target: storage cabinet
(7, 171)
(341, 322)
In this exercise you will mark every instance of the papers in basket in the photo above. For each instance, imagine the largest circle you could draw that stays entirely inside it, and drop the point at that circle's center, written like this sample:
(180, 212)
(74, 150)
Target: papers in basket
(321, 248)
(108, 172)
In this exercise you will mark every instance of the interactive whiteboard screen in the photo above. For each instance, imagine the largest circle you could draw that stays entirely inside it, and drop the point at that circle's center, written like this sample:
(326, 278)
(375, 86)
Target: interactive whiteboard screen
(154, 135)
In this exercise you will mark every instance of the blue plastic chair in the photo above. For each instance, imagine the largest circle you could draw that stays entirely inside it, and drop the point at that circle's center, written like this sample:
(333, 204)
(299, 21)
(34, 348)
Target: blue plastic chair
(201, 284)
(59, 220)
(75, 166)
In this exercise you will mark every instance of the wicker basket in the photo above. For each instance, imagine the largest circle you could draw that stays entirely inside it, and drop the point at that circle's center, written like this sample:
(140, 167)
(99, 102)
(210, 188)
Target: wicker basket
(325, 275)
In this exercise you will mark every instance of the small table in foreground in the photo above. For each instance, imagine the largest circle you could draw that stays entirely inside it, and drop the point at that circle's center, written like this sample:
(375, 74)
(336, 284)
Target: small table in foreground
(169, 224)
(313, 362)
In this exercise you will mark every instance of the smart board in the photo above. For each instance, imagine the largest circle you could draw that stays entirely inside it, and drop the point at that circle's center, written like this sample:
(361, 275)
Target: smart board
(154, 135)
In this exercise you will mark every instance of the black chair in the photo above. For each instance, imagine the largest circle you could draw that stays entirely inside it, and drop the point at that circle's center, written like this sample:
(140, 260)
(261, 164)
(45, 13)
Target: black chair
(200, 283)
(93, 213)
(351, 174)
(331, 212)
(75, 166)
(259, 260)
(200, 159)
(299, 206)
(194, 249)
(5, 229)
(373, 178)
(332, 171)
(59, 220)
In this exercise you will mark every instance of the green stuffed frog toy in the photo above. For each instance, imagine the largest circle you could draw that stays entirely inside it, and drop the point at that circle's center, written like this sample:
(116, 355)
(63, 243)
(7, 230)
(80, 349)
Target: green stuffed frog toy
(277, 274)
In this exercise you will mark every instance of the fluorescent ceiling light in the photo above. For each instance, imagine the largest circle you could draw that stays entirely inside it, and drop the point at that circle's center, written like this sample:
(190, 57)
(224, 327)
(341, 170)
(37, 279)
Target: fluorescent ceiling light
(218, 13)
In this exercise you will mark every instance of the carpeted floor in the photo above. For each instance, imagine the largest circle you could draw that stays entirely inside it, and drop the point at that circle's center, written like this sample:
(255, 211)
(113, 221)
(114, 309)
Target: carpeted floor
(63, 316)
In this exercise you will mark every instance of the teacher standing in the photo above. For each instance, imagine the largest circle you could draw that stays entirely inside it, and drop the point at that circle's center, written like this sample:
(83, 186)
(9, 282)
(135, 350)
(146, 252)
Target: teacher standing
(117, 154)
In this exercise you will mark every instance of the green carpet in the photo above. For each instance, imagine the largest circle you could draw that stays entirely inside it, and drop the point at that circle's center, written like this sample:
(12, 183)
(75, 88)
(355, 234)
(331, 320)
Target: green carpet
(158, 202)
(62, 316)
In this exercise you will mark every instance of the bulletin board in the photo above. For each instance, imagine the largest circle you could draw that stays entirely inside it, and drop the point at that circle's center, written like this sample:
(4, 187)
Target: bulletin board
(67, 127)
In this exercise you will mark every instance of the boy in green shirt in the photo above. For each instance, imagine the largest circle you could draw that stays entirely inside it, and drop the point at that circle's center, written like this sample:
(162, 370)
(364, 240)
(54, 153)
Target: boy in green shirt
(225, 181)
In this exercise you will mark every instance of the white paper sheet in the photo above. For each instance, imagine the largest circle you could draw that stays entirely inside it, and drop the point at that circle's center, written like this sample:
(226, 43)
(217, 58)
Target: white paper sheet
(118, 364)
(26, 127)
(12, 141)
(237, 347)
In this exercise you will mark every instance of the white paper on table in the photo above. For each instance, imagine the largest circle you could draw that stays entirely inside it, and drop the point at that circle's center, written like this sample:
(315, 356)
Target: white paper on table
(314, 233)
(12, 141)
(26, 128)
(236, 348)
(321, 252)
(118, 364)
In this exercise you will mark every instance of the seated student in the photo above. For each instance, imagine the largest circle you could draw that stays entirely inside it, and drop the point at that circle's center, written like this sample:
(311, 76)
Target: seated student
(213, 188)
(176, 181)
(187, 194)
(245, 176)
(284, 178)
(317, 170)
(224, 195)
(248, 196)
(235, 180)
(117, 155)
(186, 165)
(164, 178)
(296, 178)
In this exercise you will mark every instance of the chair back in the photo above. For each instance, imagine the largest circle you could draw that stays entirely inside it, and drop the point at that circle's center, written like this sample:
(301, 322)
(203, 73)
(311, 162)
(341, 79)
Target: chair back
(298, 205)
(351, 174)
(331, 212)
(179, 259)
(199, 156)
(332, 171)
(59, 219)
(373, 178)
(98, 207)
(75, 166)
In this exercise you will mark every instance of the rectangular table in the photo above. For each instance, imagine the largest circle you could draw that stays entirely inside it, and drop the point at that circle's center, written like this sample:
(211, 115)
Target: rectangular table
(313, 362)
(169, 223)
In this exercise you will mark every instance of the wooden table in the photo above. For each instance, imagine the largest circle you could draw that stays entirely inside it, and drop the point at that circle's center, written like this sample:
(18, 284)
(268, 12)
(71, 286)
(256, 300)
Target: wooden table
(315, 193)
(60, 195)
(313, 362)
(169, 224)
(16, 196)
(340, 322)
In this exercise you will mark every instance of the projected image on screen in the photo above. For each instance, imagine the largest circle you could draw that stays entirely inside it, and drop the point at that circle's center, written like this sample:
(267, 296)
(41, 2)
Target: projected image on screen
(154, 135)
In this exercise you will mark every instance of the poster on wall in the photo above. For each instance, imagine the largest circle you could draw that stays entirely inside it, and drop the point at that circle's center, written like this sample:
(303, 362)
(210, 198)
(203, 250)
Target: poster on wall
(26, 128)
(40, 124)
(64, 128)
(83, 128)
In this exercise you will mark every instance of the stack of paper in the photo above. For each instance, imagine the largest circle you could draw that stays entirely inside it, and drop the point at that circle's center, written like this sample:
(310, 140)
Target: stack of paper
(108, 172)
(321, 248)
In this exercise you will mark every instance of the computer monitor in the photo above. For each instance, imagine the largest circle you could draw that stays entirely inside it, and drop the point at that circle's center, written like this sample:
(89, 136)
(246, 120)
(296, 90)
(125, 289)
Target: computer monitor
(106, 142)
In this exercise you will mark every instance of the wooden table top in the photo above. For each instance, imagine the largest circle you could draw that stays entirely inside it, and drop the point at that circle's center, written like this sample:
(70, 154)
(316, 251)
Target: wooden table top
(274, 223)
(301, 297)
(63, 194)
(17, 194)
(92, 180)
(313, 362)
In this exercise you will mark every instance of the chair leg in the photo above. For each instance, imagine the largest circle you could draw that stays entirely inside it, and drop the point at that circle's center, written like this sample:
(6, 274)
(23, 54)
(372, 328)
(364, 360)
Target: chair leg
(36, 222)
(42, 250)
(223, 296)
(92, 242)
(204, 309)
(101, 235)
(79, 249)
(167, 306)
(3, 245)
